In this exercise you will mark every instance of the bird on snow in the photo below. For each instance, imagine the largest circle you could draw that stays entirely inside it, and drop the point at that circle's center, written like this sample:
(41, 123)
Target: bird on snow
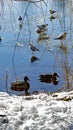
(61, 36)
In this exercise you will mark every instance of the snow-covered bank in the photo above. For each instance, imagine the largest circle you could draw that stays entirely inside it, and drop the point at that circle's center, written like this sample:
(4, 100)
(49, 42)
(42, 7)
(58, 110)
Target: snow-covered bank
(36, 112)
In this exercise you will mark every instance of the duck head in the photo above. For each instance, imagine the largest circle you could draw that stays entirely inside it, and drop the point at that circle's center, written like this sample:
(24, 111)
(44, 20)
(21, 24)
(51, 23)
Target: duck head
(26, 78)
(56, 75)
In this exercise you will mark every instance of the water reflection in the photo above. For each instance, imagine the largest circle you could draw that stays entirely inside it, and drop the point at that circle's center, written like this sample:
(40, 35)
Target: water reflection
(49, 78)
(54, 55)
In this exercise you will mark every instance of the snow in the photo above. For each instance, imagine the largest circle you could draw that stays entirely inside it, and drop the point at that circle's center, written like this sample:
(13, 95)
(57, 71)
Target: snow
(43, 111)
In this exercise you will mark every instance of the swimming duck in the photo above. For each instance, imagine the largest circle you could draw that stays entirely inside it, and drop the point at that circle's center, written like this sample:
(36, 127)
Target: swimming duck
(49, 78)
(61, 36)
(21, 86)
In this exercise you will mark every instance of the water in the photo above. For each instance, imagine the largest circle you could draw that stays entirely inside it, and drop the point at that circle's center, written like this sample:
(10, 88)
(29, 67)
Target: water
(53, 57)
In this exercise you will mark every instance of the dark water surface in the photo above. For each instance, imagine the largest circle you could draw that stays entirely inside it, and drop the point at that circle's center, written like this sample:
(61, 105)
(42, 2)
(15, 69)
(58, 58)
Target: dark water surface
(54, 55)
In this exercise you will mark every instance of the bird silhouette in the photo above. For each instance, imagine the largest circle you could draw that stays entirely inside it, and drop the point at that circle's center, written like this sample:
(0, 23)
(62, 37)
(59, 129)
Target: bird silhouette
(21, 86)
(61, 36)
(34, 58)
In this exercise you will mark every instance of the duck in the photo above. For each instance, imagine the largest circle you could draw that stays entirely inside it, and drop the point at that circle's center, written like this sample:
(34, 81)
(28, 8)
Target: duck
(49, 78)
(41, 28)
(21, 86)
(0, 38)
(61, 36)
(52, 11)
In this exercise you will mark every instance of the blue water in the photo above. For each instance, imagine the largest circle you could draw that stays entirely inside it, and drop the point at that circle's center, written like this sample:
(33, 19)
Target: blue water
(49, 60)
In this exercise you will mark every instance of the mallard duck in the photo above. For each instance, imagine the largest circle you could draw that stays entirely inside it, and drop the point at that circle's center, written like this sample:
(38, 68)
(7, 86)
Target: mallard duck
(61, 36)
(49, 78)
(21, 86)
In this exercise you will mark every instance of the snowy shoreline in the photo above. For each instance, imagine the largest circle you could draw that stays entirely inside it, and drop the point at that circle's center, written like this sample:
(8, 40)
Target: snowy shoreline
(36, 112)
